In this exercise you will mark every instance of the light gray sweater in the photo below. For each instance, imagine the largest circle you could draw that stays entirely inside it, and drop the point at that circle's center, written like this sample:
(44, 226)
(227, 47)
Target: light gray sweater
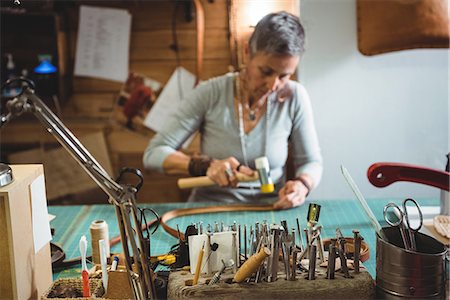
(209, 108)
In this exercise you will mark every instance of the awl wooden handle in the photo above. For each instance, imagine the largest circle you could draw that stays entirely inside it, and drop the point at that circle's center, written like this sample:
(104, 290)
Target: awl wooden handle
(251, 265)
(191, 182)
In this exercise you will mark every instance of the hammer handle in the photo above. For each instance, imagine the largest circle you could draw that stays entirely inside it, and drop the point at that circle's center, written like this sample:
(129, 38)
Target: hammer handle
(187, 183)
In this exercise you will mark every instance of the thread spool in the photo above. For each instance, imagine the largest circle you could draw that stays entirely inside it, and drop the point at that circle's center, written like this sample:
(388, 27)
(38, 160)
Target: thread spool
(99, 231)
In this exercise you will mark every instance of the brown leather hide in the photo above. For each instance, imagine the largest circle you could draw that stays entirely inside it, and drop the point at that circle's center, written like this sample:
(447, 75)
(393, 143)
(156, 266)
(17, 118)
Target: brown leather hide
(393, 25)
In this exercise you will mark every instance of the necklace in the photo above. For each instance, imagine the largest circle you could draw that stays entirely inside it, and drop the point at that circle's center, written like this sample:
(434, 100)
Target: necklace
(251, 111)
(243, 140)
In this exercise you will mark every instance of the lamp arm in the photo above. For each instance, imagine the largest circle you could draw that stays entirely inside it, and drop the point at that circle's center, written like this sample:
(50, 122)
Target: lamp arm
(65, 137)
(121, 196)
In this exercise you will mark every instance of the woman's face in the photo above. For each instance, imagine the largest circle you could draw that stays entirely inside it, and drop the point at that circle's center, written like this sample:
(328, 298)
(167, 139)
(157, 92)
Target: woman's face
(267, 73)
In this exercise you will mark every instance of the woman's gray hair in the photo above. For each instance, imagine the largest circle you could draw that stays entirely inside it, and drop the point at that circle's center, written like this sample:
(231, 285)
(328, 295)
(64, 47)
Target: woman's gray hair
(278, 33)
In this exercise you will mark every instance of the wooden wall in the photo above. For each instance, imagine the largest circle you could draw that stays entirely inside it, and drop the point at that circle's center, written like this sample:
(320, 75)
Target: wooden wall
(150, 52)
(89, 106)
(152, 56)
(90, 103)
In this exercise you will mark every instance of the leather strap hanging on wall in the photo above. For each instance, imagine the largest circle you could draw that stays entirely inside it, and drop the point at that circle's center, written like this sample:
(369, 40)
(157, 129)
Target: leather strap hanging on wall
(393, 25)
(200, 26)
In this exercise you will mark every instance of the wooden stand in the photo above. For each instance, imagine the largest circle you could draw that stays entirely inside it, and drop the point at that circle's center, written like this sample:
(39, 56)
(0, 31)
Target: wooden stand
(24, 274)
(119, 285)
(361, 286)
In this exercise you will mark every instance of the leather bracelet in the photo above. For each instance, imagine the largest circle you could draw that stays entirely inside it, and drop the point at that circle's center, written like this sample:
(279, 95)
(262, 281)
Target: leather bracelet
(305, 183)
(199, 165)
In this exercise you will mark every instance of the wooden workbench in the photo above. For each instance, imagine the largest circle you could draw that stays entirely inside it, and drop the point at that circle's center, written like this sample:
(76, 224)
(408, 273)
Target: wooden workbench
(361, 286)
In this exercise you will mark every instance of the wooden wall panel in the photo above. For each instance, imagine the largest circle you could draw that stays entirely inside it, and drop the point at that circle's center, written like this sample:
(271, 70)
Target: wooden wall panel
(151, 55)
(151, 38)
(158, 14)
(160, 70)
(91, 105)
(156, 43)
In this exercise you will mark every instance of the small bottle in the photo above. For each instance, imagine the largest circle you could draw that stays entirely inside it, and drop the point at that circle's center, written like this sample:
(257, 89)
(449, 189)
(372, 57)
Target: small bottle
(11, 89)
(10, 67)
(445, 196)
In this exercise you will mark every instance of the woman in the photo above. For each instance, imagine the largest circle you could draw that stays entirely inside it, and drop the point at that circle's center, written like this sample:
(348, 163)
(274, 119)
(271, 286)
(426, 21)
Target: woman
(245, 115)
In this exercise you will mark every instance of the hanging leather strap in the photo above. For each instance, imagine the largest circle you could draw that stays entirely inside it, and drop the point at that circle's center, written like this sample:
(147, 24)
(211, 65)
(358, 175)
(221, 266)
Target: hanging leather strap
(200, 26)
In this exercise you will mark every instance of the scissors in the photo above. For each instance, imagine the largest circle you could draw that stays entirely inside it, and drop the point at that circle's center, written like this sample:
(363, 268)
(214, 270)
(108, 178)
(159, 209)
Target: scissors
(406, 230)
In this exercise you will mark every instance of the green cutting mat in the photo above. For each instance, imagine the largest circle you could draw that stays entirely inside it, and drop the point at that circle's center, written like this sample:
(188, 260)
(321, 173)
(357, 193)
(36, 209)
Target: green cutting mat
(72, 222)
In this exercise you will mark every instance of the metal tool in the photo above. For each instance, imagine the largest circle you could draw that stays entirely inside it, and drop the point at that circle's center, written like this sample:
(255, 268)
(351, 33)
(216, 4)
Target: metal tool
(406, 230)
(284, 224)
(331, 259)
(341, 252)
(376, 225)
(215, 279)
(357, 248)
(285, 244)
(339, 234)
(238, 262)
(312, 263)
(6, 175)
(317, 230)
(245, 242)
(216, 227)
(122, 196)
(275, 250)
(294, 264)
(313, 214)
(300, 239)
(306, 250)
(234, 248)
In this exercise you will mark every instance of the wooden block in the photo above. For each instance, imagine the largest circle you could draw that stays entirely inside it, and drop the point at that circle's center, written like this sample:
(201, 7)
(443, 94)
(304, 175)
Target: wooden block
(361, 286)
(24, 274)
(118, 285)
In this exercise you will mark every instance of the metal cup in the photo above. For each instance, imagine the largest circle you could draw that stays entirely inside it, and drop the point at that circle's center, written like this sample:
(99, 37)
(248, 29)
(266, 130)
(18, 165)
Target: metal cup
(406, 273)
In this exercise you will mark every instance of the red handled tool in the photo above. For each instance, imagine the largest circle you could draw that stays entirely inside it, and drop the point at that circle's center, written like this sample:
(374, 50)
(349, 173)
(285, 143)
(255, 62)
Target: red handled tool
(86, 288)
(383, 174)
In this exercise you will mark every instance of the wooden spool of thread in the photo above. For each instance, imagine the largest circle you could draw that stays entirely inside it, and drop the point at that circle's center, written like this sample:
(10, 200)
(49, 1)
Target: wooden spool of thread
(99, 231)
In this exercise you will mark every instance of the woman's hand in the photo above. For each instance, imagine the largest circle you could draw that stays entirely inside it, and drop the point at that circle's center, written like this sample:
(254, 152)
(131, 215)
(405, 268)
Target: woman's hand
(292, 194)
(223, 172)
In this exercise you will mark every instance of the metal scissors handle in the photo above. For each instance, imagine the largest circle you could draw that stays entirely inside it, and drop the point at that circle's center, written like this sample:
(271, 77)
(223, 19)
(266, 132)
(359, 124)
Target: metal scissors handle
(412, 231)
(409, 239)
(399, 213)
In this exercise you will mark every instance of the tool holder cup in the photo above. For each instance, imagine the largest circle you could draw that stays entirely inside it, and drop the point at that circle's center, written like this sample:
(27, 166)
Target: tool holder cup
(407, 273)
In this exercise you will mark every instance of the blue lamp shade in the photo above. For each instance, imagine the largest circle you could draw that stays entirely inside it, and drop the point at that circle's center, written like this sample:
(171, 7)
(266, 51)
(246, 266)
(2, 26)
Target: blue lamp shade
(45, 67)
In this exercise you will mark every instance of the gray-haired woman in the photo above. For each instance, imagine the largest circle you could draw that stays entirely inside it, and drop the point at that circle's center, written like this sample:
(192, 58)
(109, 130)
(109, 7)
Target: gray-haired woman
(241, 116)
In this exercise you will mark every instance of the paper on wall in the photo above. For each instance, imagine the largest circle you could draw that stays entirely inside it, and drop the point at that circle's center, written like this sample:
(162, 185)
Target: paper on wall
(180, 83)
(39, 214)
(103, 42)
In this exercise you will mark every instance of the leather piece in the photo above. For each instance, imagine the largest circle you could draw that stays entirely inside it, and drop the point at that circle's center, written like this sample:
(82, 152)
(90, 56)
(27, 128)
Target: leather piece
(394, 25)
(205, 210)
(350, 248)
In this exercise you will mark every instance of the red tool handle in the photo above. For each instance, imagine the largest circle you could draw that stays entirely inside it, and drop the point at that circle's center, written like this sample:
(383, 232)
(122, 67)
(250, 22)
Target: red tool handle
(383, 174)
(85, 279)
